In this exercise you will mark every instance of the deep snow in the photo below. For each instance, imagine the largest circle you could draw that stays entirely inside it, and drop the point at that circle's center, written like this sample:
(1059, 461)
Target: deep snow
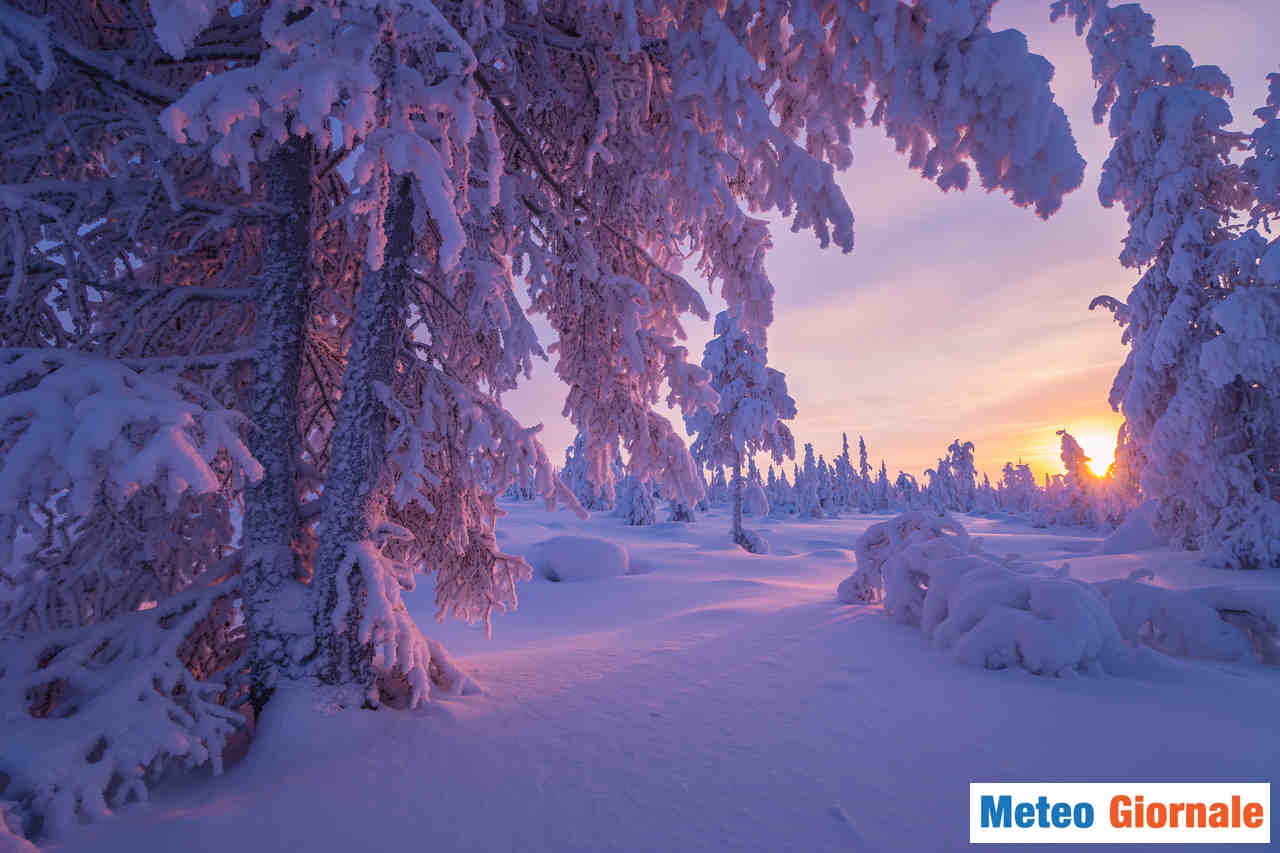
(713, 700)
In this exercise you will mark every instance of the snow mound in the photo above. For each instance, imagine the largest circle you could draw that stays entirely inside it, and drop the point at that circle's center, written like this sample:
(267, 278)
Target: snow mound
(1135, 534)
(577, 558)
(882, 541)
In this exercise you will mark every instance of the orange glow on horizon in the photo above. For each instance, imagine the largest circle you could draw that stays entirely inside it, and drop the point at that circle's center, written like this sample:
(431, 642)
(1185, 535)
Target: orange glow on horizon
(1100, 446)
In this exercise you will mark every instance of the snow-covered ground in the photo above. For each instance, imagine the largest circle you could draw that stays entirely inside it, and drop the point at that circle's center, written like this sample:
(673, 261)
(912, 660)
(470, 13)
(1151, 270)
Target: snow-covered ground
(713, 700)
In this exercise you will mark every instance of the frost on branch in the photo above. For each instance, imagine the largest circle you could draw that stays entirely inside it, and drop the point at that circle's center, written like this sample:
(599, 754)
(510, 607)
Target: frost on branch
(94, 715)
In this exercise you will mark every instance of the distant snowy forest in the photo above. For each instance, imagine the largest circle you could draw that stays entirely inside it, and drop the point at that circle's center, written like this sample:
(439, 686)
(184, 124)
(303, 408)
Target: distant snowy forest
(269, 267)
(819, 489)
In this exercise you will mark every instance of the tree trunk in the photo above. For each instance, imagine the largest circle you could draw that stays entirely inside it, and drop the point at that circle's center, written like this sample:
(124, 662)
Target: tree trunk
(354, 502)
(738, 536)
(274, 599)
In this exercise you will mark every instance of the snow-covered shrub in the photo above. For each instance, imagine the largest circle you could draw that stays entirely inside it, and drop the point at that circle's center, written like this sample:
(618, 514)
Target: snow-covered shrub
(636, 503)
(757, 502)
(999, 613)
(577, 558)
(679, 511)
(752, 542)
(93, 715)
(1214, 623)
(985, 611)
(881, 541)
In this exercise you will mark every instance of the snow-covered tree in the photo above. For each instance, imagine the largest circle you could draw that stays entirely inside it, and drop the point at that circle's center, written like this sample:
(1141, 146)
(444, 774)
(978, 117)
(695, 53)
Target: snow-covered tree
(718, 491)
(866, 502)
(883, 489)
(1199, 407)
(173, 205)
(964, 473)
(808, 501)
(781, 495)
(635, 502)
(577, 474)
(749, 418)
(908, 490)
(1017, 487)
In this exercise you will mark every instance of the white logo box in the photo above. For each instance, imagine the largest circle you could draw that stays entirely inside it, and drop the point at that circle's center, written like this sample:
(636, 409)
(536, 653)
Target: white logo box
(1099, 797)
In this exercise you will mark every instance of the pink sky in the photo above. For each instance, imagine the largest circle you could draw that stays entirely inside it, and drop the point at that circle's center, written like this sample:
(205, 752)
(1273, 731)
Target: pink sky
(958, 315)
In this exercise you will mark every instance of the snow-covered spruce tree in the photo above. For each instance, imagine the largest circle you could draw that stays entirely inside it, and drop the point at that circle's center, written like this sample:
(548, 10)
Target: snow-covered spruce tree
(941, 489)
(1016, 491)
(1199, 408)
(883, 489)
(908, 490)
(808, 502)
(718, 491)
(964, 474)
(635, 502)
(866, 501)
(749, 417)
(845, 479)
(1074, 502)
(753, 478)
(679, 511)
(826, 488)
(577, 475)
(781, 496)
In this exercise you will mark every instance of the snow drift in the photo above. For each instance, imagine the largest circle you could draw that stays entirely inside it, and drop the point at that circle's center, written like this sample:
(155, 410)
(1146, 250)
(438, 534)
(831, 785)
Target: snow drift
(577, 558)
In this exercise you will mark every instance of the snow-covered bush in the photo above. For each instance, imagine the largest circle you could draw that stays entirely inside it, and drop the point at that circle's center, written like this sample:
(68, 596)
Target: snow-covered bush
(882, 541)
(757, 501)
(753, 542)
(1213, 623)
(577, 558)
(1003, 612)
(680, 512)
(636, 504)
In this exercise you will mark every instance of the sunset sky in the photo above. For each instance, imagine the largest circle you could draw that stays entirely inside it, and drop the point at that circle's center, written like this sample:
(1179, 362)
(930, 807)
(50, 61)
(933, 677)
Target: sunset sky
(958, 315)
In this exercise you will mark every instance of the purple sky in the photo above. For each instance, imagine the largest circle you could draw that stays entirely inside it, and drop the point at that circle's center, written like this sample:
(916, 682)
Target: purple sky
(957, 314)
